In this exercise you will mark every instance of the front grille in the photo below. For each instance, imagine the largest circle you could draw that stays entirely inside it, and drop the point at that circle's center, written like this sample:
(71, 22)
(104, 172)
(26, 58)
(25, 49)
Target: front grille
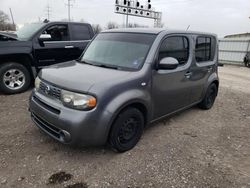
(50, 90)
(52, 130)
(44, 105)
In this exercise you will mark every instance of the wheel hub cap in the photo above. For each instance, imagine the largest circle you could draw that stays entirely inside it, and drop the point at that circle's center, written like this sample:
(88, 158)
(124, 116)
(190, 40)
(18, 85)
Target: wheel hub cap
(14, 79)
(128, 130)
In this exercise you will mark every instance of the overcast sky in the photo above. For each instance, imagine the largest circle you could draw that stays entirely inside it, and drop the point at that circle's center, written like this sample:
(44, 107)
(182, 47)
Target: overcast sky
(218, 16)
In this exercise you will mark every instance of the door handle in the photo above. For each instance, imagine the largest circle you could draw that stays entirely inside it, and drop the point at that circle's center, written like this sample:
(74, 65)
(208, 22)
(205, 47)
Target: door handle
(67, 47)
(188, 74)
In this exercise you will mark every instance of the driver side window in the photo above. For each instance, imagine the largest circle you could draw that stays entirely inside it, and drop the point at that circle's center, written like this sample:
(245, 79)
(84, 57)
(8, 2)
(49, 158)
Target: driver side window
(176, 47)
(58, 32)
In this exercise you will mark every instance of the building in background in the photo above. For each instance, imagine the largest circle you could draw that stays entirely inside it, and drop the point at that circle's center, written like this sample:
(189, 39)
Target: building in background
(233, 48)
(240, 35)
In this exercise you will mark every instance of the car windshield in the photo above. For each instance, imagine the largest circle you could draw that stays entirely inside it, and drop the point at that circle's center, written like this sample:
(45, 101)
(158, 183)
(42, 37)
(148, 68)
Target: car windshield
(27, 31)
(119, 50)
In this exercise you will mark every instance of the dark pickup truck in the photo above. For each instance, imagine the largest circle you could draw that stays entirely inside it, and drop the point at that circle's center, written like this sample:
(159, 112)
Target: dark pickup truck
(36, 46)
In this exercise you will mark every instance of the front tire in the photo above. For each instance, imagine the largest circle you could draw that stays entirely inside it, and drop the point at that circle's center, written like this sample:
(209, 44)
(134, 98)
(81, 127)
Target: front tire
(126, 130)
(247, 64)
(208, 101)
(14, 78)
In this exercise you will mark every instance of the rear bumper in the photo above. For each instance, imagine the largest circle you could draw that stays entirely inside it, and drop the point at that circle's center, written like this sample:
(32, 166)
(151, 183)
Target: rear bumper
(69, 126)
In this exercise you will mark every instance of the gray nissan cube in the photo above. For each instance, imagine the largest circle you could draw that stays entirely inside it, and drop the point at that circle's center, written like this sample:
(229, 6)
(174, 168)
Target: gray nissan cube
(125, 80)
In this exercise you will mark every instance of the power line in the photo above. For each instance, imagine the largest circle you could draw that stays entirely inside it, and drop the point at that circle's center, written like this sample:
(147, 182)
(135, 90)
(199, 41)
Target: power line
(69, 5)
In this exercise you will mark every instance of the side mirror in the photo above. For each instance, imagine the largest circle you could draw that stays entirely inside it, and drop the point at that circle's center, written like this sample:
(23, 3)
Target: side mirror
(168, 63)
(45, 37)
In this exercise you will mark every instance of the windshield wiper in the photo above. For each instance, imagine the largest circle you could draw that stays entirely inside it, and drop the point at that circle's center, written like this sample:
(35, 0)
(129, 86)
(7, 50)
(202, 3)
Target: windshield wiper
(85, 62)
(99, 65)
(107, 66)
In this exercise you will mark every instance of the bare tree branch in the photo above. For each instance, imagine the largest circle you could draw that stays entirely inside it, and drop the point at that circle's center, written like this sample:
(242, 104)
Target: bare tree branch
(4, 22)
(112, 25)
(97, 28)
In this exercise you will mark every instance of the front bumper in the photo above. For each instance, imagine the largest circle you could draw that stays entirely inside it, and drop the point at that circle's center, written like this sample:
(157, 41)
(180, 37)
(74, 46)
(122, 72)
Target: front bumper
(69, 126)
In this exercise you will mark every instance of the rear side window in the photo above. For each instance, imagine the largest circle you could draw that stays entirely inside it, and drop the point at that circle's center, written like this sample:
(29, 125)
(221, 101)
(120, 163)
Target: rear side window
(204, 49)
(176, 47)
(80, 32)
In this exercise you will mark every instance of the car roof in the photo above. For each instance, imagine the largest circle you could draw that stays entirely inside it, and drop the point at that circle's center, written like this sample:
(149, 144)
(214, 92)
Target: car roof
(135, 30)
(155, 31)
(65, 22)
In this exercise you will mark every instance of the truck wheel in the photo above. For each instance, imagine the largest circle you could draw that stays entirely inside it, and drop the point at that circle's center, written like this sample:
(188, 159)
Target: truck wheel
(248, 64)
(209, 98)
(126, 130)
(14, 78)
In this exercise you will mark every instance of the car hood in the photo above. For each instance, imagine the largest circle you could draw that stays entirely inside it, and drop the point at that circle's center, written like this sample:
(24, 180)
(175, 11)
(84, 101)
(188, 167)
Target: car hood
(10, 36)
(79, 77)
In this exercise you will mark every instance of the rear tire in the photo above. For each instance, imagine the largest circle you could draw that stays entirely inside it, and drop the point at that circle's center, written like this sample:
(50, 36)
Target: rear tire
(126, 130)
(14, 78)
(208, 101)
(247, 62)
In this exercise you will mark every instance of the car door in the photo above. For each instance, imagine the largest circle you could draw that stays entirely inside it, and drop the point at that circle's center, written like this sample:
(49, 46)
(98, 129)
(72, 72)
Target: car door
(171, 88)
(81, 35)
(203, 66)
(56, 48)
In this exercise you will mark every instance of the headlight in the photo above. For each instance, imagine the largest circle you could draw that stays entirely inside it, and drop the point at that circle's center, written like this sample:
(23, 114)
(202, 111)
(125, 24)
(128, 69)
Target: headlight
(77, 101)
(37, 83)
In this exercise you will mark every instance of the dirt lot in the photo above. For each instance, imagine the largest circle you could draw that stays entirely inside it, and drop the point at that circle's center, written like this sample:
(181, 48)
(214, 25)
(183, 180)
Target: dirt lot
(193, 149)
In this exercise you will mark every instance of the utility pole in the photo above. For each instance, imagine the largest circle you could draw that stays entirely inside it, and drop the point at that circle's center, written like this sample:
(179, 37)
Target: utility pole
(12, 17)
(48, 11)
(69, 4)
(127, 21)
(128, 4)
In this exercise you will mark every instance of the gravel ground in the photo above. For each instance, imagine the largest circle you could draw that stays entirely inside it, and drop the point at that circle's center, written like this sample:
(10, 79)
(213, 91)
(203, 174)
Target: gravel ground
(192, 149)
